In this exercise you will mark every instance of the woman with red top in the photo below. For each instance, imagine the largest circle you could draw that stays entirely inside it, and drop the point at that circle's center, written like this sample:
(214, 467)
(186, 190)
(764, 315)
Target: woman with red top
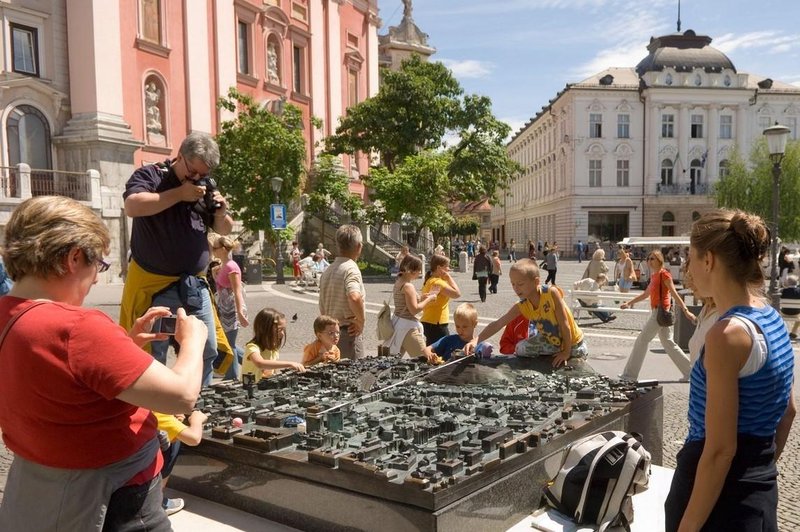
(658, 291)
(77, 389)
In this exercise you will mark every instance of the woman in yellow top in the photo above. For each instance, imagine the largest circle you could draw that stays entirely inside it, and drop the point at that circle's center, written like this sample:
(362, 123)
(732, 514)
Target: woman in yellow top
(436, 316)
(553, 332)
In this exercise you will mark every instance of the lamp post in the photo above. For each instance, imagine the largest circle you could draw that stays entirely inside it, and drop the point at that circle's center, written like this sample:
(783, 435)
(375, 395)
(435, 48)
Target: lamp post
(276, 183)
(777, 136)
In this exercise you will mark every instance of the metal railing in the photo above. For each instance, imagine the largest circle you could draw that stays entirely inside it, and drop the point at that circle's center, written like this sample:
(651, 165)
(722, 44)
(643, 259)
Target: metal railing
(682, 189)
(75, 185)
(9, 182)
(21, 182)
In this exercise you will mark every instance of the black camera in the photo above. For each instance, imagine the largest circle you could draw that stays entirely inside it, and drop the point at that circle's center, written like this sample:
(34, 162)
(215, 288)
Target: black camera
(207, 205)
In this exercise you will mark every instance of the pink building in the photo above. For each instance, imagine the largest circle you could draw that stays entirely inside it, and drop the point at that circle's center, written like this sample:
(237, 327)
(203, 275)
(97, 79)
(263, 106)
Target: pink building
(113, 84)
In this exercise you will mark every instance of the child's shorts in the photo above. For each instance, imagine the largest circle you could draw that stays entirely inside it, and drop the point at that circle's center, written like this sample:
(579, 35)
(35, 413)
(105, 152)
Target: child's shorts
(625, 284)
(538, 346)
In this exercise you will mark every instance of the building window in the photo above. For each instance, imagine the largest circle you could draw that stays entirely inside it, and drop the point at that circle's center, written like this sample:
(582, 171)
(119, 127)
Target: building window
(724, 168)
(726, 127)
(595, 173)
(666, 172)
(695, 174)
(667, 126)
(764, 122)
(243, 40)
(25, 49)
(298, 70)
(623, 172)
(624, 126)
(352, 88)
(697, 127)
(668, 224)
(299, 11)
(150, 21)
(595, 125)
(28, 134)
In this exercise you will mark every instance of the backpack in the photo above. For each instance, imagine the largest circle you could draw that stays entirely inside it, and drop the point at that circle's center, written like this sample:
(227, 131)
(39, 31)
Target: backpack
(597, 477)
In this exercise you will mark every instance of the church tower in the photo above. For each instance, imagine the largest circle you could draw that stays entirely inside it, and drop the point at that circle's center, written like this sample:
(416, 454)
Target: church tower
(402, 41)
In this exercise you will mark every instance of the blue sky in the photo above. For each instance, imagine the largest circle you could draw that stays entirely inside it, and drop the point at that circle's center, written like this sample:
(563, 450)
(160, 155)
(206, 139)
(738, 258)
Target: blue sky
(520, 53)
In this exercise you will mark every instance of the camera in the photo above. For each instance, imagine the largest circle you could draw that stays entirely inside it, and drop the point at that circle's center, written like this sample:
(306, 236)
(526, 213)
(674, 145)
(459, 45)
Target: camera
(207, 205)
(166, 325)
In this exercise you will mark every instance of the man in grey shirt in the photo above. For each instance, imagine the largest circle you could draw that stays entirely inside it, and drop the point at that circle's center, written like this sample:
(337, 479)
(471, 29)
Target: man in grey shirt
(341, 293)
(551, 260)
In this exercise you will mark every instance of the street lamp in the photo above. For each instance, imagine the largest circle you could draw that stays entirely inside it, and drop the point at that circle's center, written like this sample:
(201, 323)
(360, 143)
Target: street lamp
(277, 182)
(777, 136)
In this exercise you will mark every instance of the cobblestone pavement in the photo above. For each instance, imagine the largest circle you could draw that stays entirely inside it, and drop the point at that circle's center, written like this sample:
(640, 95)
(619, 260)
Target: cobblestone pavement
(609, 346)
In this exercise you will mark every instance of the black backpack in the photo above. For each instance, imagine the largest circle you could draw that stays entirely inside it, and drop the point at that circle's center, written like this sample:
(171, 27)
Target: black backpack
(597, 477)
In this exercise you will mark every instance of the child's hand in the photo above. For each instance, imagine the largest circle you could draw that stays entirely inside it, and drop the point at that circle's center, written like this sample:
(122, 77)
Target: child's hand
(469, 348)
(560, 359)
(243, 319)
(198, 416)
(329, 357)
(296, 366)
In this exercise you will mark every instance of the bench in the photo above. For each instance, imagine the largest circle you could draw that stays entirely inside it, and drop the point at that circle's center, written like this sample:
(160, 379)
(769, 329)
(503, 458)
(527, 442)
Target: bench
(608, 302)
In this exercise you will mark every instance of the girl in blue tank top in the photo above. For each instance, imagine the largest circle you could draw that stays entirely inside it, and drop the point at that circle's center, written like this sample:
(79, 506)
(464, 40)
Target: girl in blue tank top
(740, 398)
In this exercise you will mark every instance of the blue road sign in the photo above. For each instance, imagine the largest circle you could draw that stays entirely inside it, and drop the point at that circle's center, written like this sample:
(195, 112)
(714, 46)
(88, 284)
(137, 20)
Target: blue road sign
(277, 215)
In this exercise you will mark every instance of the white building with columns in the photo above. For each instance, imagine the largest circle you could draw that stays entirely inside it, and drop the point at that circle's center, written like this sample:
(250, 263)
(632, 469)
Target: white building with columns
(635, 151)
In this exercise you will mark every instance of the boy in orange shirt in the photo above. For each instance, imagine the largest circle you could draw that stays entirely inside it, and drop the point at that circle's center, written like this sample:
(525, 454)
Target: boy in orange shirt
(324, 349)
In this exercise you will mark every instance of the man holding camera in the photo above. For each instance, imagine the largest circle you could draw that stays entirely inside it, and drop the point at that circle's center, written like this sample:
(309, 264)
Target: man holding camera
(173, 205)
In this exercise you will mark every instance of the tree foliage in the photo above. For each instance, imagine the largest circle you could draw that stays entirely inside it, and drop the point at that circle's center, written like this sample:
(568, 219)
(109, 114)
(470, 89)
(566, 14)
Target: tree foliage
(748, 186)
(328, 185)
(465, 226)
(407, 122)
(254, 147)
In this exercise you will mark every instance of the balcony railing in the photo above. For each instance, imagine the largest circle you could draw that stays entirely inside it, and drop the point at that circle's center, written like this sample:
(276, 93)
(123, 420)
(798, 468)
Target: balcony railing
(21, 182)
(682, 189)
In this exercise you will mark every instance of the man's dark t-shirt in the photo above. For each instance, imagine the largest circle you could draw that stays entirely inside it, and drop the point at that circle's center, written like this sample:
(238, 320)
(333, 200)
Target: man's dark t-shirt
(173, 241)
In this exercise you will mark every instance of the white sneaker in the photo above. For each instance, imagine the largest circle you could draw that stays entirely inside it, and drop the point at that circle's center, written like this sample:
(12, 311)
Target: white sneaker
(173, 506)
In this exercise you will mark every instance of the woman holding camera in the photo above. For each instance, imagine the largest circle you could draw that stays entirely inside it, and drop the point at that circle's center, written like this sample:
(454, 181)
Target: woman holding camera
(77, 390)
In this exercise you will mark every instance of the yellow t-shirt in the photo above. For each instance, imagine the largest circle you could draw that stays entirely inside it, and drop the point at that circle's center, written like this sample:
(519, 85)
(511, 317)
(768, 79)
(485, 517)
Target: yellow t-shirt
(169, 424)
(249, 367)
(545, 317)
(438, 310)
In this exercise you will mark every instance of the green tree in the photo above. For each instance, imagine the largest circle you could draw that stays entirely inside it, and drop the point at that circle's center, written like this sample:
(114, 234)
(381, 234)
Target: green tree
(256, 146)
(417, 189)
(328, 185)
(465, 226)
(407, 122)
(749, 187)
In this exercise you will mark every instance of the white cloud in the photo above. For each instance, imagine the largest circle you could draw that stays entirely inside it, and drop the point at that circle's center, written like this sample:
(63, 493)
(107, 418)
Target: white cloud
(515, 123)
(774, 41)
(468, 68)
(632, 31)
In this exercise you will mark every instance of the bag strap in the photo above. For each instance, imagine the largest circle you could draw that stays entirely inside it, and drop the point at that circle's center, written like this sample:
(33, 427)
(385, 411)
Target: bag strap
(17, 316)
